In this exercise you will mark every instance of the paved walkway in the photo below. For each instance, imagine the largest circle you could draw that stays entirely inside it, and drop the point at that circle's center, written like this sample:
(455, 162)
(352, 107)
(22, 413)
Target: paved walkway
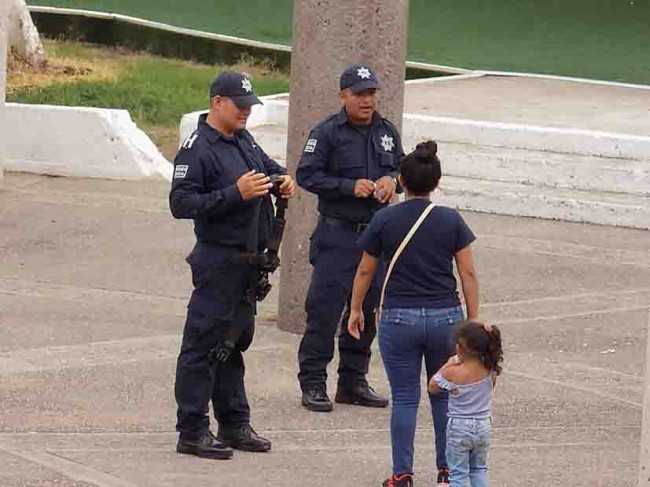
(534, 101)
(545, 101)
(93, 289)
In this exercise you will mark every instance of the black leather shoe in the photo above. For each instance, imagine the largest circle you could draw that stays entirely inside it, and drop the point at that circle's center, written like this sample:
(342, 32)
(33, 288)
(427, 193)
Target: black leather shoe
(361, 395)
(244, 438)
(317, 400)
(205, 447)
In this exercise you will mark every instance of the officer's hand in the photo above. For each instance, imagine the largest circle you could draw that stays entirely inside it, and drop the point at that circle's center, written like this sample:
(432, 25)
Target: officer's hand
(288, 187)
(356, 324)
(386, 188)
(364, 188)
(254, 185)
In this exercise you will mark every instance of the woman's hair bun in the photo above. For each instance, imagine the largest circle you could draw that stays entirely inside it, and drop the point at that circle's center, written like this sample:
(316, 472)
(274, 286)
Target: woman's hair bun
(429, 146)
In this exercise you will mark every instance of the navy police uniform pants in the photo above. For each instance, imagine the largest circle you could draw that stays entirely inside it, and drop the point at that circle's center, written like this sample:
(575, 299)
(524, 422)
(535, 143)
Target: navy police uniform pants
(218, 302)
(335, 255)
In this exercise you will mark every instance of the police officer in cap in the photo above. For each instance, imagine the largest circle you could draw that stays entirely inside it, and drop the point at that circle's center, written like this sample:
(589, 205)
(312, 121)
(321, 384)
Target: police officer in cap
(221, 181)
(351, 162)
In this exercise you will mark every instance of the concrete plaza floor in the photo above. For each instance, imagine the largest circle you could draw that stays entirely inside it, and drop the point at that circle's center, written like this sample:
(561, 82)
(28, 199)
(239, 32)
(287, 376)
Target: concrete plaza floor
(93, 288)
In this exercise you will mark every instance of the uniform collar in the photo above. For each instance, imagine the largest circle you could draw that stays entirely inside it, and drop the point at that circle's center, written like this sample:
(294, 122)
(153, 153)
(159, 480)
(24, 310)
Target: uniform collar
(212, 134)
(342, 118)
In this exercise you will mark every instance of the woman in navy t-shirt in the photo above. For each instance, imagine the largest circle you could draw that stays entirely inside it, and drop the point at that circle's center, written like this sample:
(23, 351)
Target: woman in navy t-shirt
(421, 303)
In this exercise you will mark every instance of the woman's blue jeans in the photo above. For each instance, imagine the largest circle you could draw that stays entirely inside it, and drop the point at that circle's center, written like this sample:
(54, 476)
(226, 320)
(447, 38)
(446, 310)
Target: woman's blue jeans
(406, 336)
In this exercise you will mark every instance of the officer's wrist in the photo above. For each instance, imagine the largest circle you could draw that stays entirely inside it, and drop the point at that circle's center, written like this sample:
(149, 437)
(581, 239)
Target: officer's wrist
(393, 180)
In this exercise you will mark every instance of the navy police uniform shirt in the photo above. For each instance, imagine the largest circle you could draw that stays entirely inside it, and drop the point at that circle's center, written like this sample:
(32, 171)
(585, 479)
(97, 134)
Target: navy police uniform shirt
(338, 153)
(204, 188)
(423, 276)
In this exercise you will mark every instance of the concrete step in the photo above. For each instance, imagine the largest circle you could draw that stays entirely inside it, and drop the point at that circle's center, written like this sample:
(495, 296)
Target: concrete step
(504, 164)
(559, 170)
(530, 183)
(507, 198)
(517, 199)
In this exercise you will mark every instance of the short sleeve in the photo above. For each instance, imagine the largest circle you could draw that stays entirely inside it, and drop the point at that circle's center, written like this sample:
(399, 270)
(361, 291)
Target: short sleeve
(444, 383)
(370, 240)
(464, 235)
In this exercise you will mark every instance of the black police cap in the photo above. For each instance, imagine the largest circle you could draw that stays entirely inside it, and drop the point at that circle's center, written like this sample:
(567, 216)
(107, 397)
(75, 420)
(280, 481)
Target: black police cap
(359, 77)
(237, 87)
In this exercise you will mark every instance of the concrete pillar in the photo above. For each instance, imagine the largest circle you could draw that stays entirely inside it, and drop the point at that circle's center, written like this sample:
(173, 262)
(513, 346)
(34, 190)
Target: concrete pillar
(644, 465)
(4, 27)
(328, 35)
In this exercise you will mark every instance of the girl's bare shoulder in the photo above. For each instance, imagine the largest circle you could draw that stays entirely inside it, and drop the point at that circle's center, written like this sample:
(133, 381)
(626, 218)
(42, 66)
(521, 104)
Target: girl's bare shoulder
(456, 374)
(466, 373)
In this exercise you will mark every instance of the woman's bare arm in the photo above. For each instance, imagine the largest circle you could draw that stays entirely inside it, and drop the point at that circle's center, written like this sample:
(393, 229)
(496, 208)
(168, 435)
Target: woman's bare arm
(469, 280)
(363, 279)
(365, 273)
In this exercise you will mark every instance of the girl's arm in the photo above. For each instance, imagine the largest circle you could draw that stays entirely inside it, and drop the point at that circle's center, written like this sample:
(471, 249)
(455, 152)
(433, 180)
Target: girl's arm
(441, 378)
(362, 280)
(469, 281)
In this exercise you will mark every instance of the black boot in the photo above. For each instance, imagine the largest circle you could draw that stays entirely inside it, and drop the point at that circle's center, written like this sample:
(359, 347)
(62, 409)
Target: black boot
(243, 437)
(207, 446)
(362, 395)
(317, 400)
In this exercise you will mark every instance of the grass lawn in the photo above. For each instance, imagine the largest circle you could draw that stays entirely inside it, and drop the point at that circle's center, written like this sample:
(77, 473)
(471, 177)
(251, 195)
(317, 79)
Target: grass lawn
(602, 39)
(156, 91)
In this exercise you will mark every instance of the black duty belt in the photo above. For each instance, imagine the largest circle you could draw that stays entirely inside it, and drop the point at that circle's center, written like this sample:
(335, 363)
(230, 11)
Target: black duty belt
(337, 222)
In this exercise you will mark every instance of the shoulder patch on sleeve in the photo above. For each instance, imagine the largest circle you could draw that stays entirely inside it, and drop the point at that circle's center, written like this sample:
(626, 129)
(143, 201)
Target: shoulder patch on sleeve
(311, 145)
(180, 171)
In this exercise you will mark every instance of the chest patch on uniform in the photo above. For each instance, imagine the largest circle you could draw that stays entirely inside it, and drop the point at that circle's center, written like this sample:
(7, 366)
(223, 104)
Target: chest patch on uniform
(387, 143)
(311, 145)
(181, 171)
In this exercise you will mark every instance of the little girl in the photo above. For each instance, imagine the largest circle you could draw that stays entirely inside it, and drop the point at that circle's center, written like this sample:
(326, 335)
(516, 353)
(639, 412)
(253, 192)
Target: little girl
(469, 376)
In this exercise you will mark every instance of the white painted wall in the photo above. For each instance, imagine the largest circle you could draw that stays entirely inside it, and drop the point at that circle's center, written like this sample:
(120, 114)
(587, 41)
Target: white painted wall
(81, 142)
(530, 137)
(260, 115)
(481, 133)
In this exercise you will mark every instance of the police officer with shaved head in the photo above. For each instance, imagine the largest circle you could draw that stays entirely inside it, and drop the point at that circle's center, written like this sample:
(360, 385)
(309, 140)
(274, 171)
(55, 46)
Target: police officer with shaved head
(221, 181)
(351, 162)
